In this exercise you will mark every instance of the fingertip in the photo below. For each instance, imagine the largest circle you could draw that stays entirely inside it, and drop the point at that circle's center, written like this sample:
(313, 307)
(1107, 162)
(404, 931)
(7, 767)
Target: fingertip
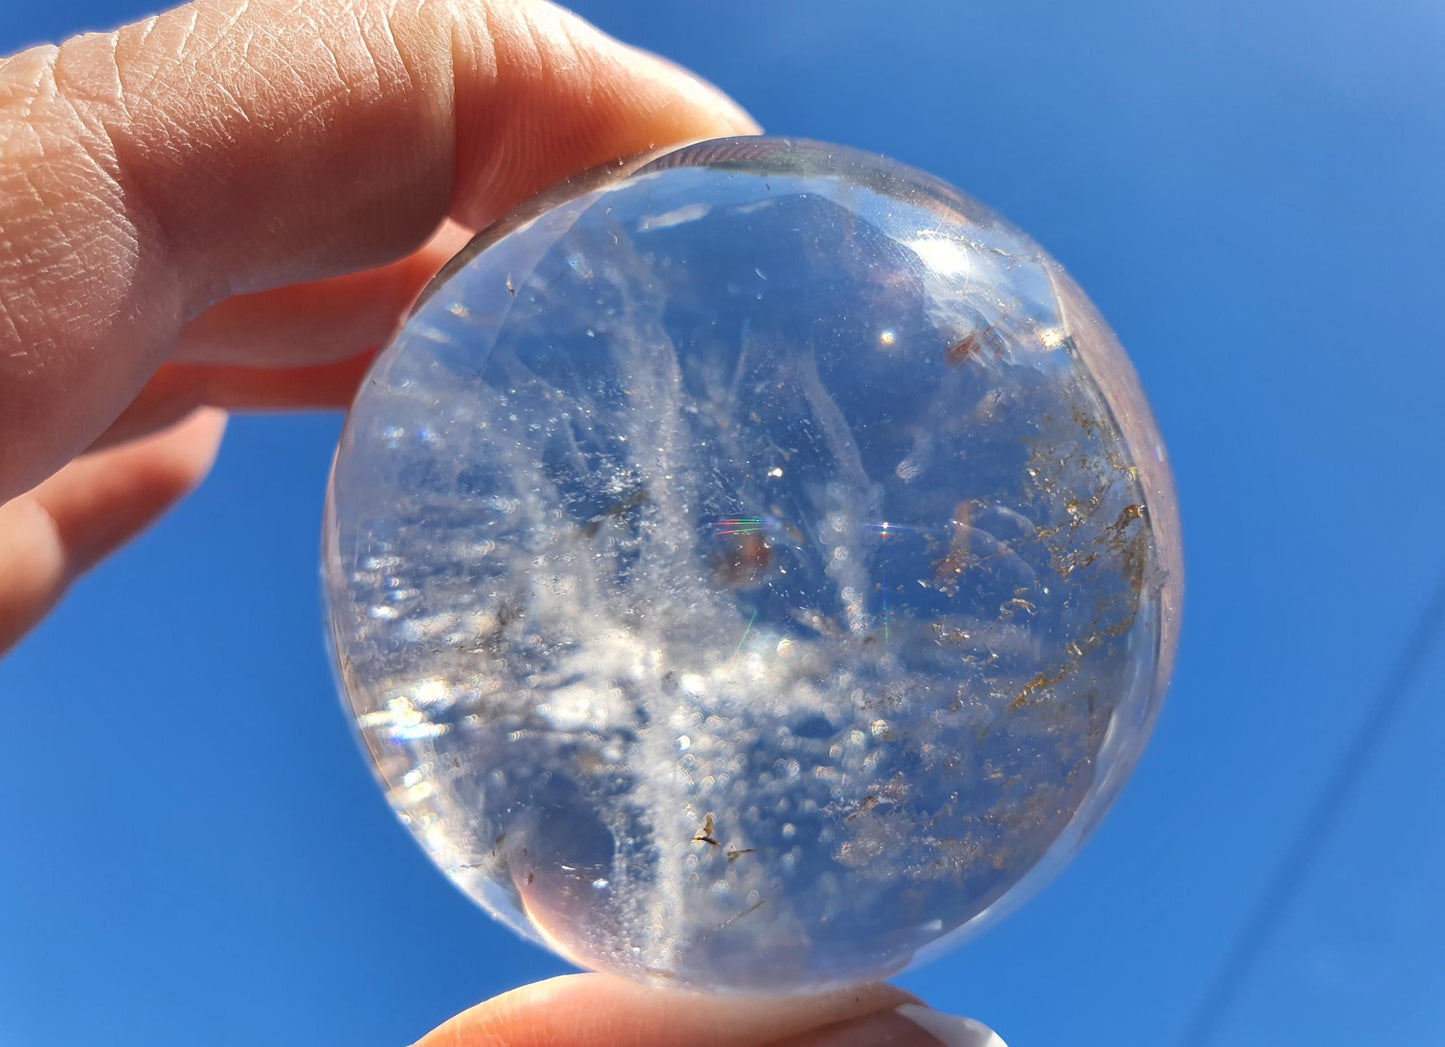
(198, 439)
(171, 463)
(627, 69)
(593, 1010)
(725, 116)
(88, 509)
(554, 95)
(103, 499)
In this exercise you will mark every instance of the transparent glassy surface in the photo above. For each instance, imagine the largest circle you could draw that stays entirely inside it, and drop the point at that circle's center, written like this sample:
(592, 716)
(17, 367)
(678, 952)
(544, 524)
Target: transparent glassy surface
(752, 567)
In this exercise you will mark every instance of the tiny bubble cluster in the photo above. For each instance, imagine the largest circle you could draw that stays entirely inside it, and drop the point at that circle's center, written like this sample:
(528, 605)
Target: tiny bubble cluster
(753, 567)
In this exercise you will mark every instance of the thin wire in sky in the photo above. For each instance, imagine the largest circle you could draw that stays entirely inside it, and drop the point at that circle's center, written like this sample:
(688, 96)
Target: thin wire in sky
(1222, 990)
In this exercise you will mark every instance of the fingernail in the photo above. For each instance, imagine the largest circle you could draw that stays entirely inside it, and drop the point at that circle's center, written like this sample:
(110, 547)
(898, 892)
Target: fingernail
(950, 1031)
(911, 1025)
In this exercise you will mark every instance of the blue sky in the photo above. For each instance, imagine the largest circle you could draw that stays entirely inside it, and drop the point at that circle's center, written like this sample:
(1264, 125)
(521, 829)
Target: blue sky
(1249, 190)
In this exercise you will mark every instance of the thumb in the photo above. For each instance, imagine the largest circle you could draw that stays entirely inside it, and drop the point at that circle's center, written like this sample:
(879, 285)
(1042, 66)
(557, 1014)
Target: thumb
(593, 1010)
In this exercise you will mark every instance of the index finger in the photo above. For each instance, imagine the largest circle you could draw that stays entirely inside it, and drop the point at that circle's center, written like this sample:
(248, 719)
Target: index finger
(236, 145)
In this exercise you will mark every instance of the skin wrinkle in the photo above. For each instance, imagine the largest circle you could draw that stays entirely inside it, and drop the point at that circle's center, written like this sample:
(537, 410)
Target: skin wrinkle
(242, 7)
(393, 52)
(101, 108)
(232, 112)
(116, 67)
(95, 141)
(502, 120)
(96, 266)
(554, 71)
(95, 94)
(206, 60)
(330, 52)
(180, 38)
(25, 93)
(518, 74)
(143, 28)
(314, 114)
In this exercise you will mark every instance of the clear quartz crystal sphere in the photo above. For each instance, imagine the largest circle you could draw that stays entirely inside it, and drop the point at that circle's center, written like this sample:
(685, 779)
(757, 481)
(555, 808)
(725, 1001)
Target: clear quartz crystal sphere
(752, 567)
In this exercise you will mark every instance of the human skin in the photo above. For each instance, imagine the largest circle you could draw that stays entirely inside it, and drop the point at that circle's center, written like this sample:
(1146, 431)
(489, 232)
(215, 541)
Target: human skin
(229, 206)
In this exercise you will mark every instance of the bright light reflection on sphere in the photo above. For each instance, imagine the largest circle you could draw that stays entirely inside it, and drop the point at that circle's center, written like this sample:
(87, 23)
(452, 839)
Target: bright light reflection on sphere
(752, 567)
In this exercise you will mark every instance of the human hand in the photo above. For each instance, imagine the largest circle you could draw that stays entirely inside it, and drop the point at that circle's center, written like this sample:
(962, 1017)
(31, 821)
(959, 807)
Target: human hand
(229, 206)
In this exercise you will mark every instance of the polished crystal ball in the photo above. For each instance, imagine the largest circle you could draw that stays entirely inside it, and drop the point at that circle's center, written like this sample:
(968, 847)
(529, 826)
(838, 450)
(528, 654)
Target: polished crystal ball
(752, 567)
